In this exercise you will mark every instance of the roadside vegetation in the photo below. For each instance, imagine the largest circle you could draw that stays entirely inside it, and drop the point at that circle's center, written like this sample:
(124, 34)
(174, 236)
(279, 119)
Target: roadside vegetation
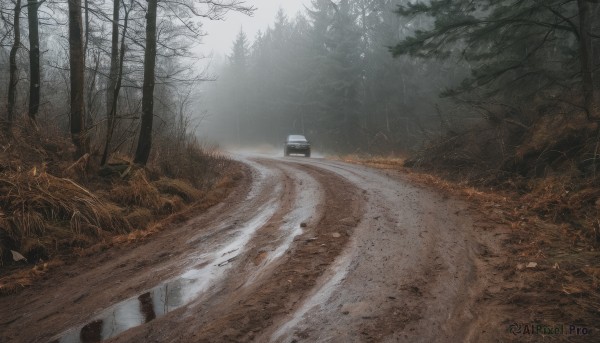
(531, 162)
(53, 209)
(550, 205)
(547, 270)
(534, 78)
(497, 101)
(98, 140)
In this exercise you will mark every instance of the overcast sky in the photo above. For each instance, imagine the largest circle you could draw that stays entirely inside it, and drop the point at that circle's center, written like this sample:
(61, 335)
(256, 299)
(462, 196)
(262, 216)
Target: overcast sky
(222, 33)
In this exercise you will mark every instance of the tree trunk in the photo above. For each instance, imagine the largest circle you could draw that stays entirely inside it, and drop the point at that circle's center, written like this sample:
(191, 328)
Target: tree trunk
(112, 112)
(112, 79)
(34, 58)
(114, 56)
(77, 65)
(586, 59)
(87, 28)
(89, 97)
(13, 71)
(596, 45)
(145, 140)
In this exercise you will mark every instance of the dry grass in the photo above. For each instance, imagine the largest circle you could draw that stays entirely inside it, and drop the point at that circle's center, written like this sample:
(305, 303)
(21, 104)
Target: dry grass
(73, 221)
(462, 188)
(198, 164)
(173, 204)
(32, 202)
(551, 224)
(54, 209)
(212, 197)
(26, 277)
(180, 188)
(140, 217)
(137, 191)
(381, 162)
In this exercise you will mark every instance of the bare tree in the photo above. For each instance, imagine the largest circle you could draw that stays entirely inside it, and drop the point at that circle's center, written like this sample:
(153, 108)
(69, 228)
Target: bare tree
(114, 52)
(34, 58)
(145, 139)
(77, 65)
(115, 78)
(13, 69)
(585, 56)
(210, 9)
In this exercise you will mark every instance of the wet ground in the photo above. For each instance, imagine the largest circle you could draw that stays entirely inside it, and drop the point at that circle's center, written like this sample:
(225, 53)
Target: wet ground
(304, 250)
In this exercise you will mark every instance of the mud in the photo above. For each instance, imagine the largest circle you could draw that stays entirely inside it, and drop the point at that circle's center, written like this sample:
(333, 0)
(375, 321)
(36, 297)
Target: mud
(304, 250)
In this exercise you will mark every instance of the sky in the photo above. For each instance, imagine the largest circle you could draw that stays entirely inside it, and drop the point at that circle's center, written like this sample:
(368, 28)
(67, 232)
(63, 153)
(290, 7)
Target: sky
(222, 33)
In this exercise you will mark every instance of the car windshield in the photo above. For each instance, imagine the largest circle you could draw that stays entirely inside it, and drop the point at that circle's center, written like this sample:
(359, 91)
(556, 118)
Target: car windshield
(296, 138)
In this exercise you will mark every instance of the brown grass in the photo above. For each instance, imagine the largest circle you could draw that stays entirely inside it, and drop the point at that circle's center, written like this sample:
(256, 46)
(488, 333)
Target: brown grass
(198, 164)
(52, 208)
(137, 191)
(215, 195)
(31, 200)
(140, 217)
(381, 162)
(438, 182)
(57, 226)
(183, 189)
(170, 205)
(551, 224)
(26, 277)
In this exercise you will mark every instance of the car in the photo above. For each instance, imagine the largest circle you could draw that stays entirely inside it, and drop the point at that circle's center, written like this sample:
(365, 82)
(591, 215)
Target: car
(296, 144)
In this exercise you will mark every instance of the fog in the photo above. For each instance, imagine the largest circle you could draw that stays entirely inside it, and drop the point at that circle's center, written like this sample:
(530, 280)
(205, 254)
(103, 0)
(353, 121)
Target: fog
(368, 76)
(353, 76)
(222, 33)
(325, 71)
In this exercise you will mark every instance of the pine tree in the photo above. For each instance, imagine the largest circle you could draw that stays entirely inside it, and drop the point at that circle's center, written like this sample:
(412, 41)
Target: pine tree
(517, 50)
(240, 54)
(336, 73)
(237, 77)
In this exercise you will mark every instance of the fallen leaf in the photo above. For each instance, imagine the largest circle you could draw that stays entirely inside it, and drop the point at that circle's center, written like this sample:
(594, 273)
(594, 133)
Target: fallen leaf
(17, 256)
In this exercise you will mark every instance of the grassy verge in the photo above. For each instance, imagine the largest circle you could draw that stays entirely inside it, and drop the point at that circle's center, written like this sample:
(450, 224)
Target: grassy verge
(53, 210)
(551, 268)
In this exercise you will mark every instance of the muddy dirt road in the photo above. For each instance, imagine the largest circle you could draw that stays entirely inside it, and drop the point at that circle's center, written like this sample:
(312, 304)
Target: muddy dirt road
(303, 250)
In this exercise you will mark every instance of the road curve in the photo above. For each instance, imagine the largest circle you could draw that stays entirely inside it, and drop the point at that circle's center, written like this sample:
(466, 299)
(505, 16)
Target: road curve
(305, 250)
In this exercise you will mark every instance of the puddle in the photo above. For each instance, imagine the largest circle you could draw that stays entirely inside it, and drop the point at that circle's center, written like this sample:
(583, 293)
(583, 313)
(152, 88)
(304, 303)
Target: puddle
(210, 267)
(171, 294)
(131, 313)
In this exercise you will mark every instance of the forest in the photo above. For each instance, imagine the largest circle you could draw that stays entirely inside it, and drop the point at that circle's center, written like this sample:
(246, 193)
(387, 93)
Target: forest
(497, 93)
(489, 78)
(453, 192)
(97, 128)
(328, 73)
(102, 71)
(501, 95)
(356, 76)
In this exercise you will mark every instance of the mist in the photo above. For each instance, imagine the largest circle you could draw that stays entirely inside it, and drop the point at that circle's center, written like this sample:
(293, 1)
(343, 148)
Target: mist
(325, 70)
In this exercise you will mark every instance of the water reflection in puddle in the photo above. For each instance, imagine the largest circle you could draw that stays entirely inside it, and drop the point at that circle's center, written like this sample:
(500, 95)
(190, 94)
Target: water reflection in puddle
(135, 311)
(170, 295)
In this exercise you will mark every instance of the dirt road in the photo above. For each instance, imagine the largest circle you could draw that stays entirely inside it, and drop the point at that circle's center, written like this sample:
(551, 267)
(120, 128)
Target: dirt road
(304, 250)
